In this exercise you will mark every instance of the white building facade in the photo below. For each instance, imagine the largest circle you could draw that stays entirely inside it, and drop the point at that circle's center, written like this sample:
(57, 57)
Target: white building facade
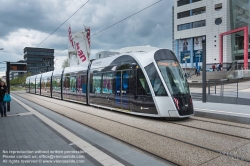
(194, 19)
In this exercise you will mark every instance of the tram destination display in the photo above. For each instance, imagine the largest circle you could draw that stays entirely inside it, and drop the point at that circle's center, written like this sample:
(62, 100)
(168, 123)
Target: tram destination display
(18, 67)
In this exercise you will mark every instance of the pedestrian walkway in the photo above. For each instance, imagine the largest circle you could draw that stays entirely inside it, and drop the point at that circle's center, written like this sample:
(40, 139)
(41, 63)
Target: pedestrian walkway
(34, 135)
(222, 111)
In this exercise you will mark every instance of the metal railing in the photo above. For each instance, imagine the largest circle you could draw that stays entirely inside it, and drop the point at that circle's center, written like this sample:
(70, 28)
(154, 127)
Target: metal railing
(230, 87)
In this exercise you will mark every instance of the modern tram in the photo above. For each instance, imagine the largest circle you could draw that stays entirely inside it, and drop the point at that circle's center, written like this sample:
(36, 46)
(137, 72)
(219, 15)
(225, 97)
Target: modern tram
(142, 83)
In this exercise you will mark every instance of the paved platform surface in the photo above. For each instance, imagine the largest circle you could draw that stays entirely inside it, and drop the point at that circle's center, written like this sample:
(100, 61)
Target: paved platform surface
(194, 141)
(33, 135)
(221, 111)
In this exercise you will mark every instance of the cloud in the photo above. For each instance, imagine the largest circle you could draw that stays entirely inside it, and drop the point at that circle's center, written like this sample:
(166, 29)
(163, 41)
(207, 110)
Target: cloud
(27, 23)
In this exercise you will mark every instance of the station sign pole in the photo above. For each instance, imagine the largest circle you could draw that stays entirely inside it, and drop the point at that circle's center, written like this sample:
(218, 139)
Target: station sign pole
(204, 71)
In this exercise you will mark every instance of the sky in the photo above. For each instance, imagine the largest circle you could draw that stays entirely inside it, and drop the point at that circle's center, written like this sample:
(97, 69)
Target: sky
(26, 23)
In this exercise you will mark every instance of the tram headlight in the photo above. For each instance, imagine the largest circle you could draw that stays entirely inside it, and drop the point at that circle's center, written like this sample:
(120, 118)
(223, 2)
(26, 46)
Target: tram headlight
(176, 101)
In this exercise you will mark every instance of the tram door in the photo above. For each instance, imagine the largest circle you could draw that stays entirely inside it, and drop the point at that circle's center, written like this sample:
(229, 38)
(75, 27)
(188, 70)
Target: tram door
(122, 90)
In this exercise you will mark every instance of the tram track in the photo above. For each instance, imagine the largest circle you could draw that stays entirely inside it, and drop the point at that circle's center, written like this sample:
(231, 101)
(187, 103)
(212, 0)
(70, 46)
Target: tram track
(170, 127)
(206, 126)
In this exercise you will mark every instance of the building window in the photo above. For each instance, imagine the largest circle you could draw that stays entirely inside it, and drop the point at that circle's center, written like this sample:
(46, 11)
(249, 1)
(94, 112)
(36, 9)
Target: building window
(242, 12)
(183, 2)
(218, 21)
(183, 26)
(183, 14)
(196, 0)
(218, 7)
(197, 24)
(199, 10)
(240, 23)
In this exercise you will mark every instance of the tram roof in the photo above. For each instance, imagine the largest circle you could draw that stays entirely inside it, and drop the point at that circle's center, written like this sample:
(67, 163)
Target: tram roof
(38, 75)
(57, 72)
(142, 57)
(32, 77)
(76, 68)
(47, 74)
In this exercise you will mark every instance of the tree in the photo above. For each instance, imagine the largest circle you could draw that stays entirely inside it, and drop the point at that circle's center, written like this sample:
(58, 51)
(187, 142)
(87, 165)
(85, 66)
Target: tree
(20, 80)
(65, 63)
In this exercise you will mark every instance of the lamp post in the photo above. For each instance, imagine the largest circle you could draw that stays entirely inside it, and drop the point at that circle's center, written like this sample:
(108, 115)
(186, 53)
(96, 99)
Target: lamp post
(55, 63)
(204, 79)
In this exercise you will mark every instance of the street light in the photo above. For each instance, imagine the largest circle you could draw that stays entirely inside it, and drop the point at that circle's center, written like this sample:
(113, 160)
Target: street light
(55, 63)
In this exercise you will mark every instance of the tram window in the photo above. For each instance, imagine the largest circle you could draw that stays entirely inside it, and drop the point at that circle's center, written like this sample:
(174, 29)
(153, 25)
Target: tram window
(66, 82)
(107, 83)
(48, 83)
(96, 86)
(83, 83)
(173, 77)
(43, 82)
(56, 82)
(79, 83)
(142, 85)
(38, 83)
(32, 83)
(73, 83)
(155, 80)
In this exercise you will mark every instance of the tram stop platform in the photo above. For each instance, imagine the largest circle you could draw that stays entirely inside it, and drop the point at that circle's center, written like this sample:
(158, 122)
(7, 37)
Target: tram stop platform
(33, 135)
(221, 111)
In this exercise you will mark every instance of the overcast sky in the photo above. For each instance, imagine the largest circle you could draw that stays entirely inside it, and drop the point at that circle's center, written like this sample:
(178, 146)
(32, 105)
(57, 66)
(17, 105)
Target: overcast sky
(26, 23)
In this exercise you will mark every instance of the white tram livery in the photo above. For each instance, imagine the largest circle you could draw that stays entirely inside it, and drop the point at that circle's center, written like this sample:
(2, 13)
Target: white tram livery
(149, 83)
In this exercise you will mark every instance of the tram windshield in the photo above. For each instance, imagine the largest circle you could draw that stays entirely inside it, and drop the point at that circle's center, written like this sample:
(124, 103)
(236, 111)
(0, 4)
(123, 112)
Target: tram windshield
(173, 77)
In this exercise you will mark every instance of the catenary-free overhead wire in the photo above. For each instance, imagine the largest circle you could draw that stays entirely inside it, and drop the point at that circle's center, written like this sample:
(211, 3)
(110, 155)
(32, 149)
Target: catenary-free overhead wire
(62, 23)
(115, 23)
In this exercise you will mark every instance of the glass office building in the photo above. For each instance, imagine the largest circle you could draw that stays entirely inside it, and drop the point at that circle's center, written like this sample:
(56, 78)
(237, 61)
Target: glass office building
(39, 60)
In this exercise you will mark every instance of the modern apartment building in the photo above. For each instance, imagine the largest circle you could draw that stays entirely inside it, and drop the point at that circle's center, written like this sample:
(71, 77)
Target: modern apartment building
(194, 19)
(39, 60)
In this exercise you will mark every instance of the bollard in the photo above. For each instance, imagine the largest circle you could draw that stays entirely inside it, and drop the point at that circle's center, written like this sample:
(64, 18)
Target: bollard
(215, 87)
(209, 87)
